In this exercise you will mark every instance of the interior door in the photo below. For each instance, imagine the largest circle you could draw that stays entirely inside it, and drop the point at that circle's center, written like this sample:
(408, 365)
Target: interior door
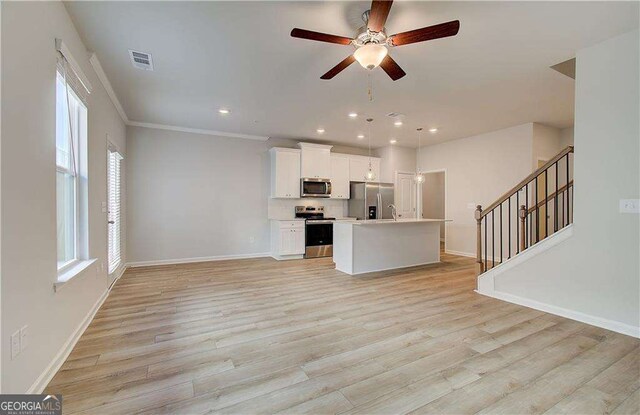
(405, 196)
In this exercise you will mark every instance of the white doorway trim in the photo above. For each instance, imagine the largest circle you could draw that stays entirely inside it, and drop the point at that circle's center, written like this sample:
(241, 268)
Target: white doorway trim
(446, 200)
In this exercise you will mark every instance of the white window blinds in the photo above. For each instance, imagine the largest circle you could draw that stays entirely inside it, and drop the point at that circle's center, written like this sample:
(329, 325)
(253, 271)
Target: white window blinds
(114, 218)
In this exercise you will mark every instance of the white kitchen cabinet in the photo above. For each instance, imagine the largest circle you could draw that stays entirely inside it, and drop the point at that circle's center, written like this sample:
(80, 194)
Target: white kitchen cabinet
(287, 239)
(359, 165)
(285, 173)
(315, 160)
(339, 176)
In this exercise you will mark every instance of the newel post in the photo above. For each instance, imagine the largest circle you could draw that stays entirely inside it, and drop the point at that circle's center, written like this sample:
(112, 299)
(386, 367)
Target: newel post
(522, 214)
(478, 215)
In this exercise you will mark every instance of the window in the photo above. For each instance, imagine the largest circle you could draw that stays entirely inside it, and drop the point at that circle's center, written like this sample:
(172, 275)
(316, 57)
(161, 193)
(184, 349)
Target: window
(71, 138)
(114, 195)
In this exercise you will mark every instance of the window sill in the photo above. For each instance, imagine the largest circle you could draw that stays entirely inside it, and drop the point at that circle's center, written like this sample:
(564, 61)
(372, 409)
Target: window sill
(68, 274)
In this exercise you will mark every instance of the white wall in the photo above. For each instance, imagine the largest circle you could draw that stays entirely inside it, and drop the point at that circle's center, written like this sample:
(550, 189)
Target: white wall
(199, 196)
(479, 169)
(393, 159)
(433, 198)
(594, 275)
(566, 137)
(28, 190)
(547, 142)
(195, 196)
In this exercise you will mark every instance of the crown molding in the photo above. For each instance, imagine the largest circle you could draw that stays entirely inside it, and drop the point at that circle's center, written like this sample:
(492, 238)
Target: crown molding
(97, 67)
(102, 76)
(196, 130)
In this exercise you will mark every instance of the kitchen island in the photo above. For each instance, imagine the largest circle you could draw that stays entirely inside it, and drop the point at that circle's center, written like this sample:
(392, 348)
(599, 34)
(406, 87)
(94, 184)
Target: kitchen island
(361, 246)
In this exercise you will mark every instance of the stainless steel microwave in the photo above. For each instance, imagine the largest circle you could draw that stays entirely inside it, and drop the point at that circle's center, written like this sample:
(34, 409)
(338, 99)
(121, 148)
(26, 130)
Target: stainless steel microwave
(313, 187)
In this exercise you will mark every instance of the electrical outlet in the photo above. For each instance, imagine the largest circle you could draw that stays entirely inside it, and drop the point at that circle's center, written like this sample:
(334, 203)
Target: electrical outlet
(104, 207)
(629, 205)
(24, 338)
(15, 344)
(252, 239)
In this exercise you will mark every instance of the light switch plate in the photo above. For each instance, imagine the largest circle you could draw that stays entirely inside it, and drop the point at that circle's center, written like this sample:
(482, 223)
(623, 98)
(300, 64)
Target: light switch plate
(24, 337)
(629, 205)
(15, 344)
(471, 205)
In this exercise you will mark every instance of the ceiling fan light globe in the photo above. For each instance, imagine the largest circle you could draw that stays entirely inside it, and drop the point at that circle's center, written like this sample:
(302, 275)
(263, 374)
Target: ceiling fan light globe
(370, 56)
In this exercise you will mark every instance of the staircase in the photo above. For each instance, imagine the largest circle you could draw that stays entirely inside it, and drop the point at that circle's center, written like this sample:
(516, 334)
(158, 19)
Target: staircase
(533, 210)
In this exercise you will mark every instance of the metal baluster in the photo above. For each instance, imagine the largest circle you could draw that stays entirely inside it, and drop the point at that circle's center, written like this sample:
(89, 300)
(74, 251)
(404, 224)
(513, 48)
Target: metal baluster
(546, 204)
(529, 217)
(567, 156)
(555, 204)
(501, 259)
(493, 238)
(486, 247)
(537, 213)
(522, 216)
(518, 226)
(509, 226)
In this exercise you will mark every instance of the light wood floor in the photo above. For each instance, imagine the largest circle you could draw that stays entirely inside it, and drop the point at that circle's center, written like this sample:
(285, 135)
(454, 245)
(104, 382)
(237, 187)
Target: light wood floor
(261, 336)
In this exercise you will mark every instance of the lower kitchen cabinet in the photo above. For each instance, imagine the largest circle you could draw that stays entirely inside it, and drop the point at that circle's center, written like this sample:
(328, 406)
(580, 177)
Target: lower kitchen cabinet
(287, 239)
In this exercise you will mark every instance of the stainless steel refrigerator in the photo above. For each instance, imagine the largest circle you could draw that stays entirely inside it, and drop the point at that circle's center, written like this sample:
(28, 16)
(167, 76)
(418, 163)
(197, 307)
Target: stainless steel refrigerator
(371, 200)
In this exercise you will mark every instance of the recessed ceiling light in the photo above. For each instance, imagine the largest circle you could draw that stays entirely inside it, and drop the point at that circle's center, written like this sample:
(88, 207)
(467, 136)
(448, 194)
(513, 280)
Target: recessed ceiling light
(320, 130)
(397, 123)
(360, 136)
(224, 111)
(353, 114)
(433, 130)
(393, 141)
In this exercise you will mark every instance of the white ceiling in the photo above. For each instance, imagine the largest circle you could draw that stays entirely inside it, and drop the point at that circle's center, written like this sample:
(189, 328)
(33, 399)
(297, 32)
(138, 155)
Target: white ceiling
(239, 55)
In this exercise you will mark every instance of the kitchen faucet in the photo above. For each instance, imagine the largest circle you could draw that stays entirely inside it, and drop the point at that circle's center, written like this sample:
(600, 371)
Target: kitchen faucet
(393, 212)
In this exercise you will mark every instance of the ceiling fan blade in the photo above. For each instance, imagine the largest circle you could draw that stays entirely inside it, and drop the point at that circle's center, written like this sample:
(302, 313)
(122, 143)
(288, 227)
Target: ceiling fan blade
(378, 15)
(320, 37)
(339, 67)
(392, 69)
(426, 33)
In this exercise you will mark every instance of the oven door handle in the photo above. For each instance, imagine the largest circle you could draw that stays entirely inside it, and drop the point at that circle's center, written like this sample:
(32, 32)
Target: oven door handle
(320, 222)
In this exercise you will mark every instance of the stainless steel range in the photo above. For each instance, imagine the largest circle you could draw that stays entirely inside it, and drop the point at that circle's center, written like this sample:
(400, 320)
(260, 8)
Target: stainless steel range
(318, 231)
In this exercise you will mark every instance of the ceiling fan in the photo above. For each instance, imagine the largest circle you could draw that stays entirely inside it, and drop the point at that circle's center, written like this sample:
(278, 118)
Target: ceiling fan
(371, 40)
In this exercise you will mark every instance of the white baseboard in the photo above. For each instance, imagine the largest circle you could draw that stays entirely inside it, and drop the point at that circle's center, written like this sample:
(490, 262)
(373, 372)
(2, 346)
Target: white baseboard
(286, 257)
(196, 259)
(486, 286)
(43, 380)
(459, 253)
(564, 312)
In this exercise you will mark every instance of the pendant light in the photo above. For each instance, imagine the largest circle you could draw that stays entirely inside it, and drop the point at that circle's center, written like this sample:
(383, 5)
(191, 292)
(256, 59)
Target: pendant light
(370, 175)
(419, 177)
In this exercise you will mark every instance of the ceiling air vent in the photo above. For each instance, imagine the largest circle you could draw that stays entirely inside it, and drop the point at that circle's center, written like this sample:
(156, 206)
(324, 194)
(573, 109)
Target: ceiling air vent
(141, 60)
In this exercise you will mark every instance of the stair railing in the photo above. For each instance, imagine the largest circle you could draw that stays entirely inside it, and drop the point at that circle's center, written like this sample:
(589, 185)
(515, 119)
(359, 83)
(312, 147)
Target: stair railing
(526, 214)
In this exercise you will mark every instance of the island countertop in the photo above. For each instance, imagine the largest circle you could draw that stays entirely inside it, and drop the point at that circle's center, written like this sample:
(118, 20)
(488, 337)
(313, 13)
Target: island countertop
(362, 246)
(387, 221)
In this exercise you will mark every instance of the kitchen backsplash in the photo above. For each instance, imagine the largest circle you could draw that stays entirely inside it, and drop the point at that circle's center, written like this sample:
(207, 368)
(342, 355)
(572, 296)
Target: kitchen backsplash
(283, 209)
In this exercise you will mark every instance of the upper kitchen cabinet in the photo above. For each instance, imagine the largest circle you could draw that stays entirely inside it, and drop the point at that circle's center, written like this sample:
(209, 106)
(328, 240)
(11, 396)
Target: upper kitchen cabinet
(315, 160)
(285, 173)
(339, 176)
(359, 165)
